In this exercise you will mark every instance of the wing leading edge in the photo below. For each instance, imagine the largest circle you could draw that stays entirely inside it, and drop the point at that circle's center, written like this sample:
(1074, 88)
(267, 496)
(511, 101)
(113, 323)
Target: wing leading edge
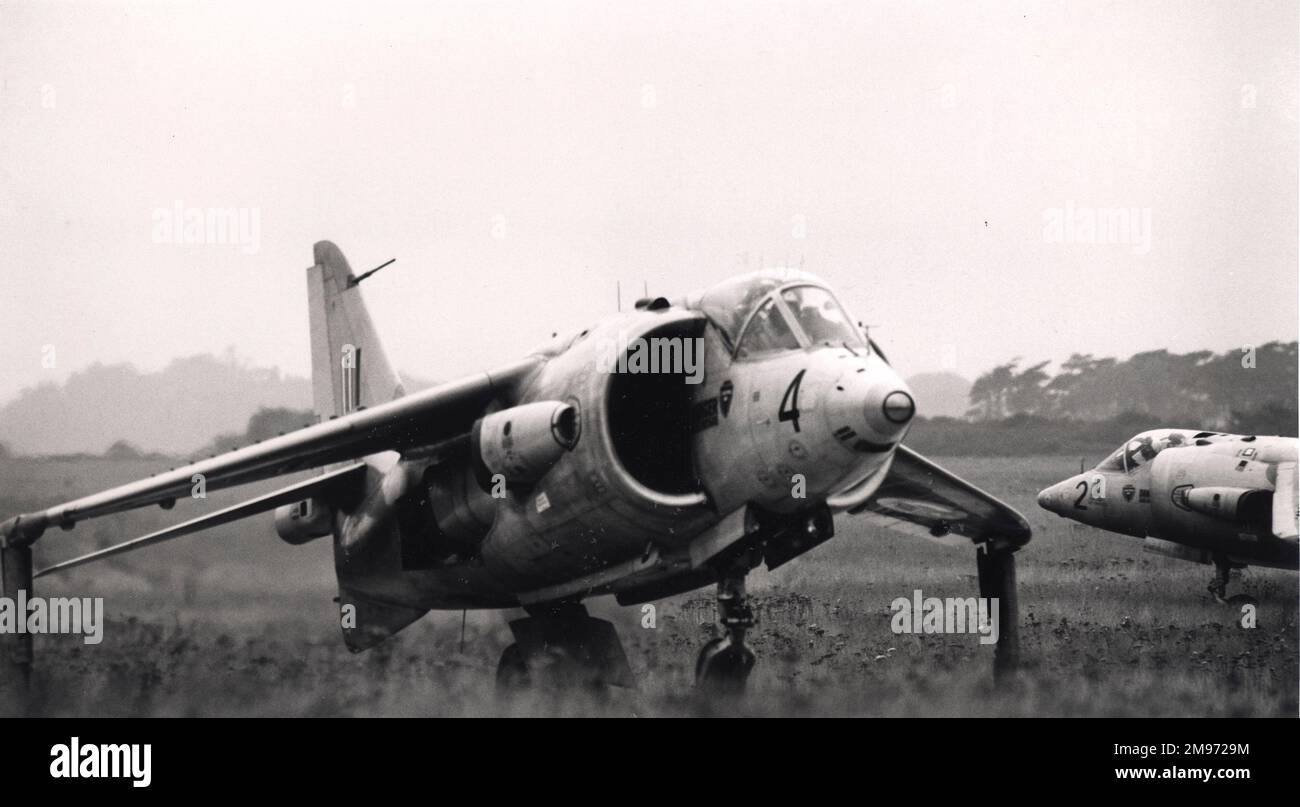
(922, 498)
(420, 419)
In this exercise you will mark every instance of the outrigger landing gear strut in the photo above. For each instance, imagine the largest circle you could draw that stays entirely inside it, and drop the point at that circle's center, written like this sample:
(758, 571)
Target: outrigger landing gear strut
(997, 578)
(16, 652)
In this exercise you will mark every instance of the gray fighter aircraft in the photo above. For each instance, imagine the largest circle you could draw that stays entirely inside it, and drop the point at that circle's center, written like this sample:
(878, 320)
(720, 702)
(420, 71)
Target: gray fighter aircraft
(1202, 496)
(666, 448)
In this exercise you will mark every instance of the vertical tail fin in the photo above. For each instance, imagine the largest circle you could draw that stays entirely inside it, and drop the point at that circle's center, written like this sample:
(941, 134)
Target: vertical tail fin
(348, 366)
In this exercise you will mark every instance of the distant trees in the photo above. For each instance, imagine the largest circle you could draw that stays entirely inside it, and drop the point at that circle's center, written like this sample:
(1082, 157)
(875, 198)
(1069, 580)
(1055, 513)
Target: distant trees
(264, 424)
(1247, 386)
(122, 450)
(988, 394)
(172, 410)
(1006, 390)
(1272, 417)
(269, 422)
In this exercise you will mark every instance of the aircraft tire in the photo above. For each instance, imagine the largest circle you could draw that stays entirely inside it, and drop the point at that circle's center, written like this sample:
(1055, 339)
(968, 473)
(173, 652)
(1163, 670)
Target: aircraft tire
(512, 670)
(723, 668)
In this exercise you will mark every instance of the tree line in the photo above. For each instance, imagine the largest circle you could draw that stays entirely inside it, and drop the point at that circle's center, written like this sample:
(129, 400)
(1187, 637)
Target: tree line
(1250, 389)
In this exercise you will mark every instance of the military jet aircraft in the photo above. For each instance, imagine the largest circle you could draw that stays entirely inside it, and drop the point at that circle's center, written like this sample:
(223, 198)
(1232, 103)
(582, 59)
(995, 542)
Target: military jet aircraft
(666, 448)
(1202, 496)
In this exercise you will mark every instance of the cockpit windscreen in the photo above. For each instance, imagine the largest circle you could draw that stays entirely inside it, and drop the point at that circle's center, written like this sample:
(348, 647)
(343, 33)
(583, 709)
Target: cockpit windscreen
(820, 316)
(777, 311)
(1143, 448)
(768, 332)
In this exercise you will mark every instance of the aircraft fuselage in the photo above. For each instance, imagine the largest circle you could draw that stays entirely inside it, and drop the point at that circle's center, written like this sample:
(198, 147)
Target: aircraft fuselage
(1210, 494)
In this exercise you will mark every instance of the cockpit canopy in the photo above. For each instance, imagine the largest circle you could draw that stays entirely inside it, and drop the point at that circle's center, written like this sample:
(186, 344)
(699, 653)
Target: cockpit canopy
(765, 312)
(1143, 447)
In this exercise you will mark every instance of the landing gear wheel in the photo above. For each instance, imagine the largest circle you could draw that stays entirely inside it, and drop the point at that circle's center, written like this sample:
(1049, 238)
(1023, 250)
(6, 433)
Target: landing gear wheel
(512, 670)
(722, 667)
(560, 647)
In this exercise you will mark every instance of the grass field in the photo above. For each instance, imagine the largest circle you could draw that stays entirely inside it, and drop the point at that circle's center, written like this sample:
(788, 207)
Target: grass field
(236, 623)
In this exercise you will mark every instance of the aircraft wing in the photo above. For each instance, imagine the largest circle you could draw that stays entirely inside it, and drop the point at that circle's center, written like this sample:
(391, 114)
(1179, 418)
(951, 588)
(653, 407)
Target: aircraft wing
(310, 487)
(416, 420)
(921, 498)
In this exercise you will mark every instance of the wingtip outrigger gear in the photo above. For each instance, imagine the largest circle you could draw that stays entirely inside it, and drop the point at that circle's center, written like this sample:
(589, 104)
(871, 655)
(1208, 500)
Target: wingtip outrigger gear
(996, 565)
(931, 494)
(16, 650)
(18, 534)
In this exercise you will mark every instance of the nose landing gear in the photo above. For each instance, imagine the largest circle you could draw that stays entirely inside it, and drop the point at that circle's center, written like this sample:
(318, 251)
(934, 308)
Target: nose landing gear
(1218, 587)
(724, 663)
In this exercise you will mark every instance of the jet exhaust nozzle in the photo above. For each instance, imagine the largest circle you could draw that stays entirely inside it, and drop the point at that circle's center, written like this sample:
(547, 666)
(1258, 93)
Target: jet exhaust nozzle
(523, 442)
(1219, 502)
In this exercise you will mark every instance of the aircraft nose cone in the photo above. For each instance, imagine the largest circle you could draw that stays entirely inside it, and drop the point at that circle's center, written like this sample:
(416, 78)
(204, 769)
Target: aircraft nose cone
(870, 401)
(887, 409)
(1056, 498)
(1047, 498)
(898, 407)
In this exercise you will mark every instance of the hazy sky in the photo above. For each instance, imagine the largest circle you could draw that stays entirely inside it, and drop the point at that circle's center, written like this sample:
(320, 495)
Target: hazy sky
(519, 159)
